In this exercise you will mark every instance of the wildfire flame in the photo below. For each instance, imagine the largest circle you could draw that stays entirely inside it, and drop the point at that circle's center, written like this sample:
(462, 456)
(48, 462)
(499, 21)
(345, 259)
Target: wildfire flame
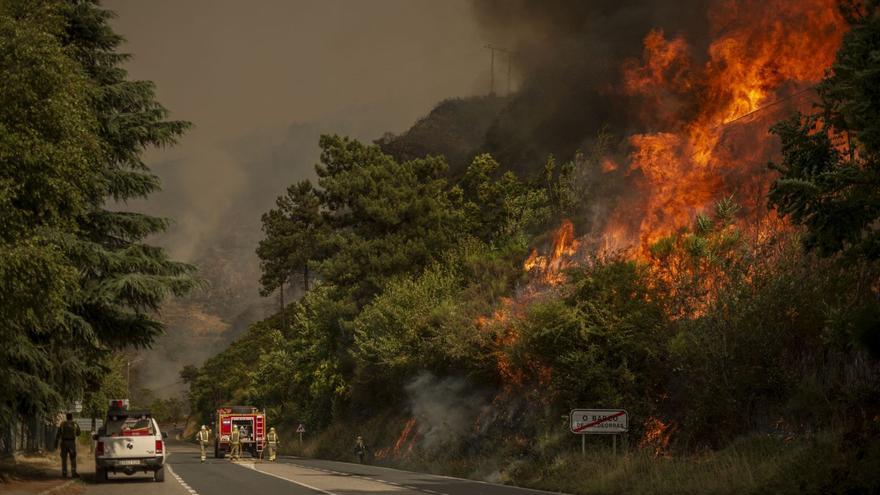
(404, 436)
(762, 53)
(549, 268)
(657, 436)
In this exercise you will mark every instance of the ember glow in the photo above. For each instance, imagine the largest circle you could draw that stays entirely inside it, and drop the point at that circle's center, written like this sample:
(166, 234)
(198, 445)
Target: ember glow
(405, 436)
(702, 147)
(549, 268)
(657, 436)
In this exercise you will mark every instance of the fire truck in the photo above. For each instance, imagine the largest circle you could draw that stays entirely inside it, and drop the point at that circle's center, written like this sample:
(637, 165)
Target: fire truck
(251, 422)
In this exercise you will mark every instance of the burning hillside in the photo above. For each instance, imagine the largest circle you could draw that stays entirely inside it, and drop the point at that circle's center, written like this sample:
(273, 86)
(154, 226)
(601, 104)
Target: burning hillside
(703, 118)
(709, 120)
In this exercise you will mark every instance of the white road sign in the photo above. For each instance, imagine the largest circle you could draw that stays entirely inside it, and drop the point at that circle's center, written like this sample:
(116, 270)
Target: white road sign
(300, 428)
(589, 421)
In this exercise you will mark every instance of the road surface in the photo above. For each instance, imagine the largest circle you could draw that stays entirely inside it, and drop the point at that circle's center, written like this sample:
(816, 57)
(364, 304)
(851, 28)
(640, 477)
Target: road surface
(185, 475)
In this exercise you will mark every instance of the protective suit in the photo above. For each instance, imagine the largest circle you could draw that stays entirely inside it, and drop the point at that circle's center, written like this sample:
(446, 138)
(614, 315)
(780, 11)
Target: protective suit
(235, 442)
(272, 443)
(203, 437)
(361, 449)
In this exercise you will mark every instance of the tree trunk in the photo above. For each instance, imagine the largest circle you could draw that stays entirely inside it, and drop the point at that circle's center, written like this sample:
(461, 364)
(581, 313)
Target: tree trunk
(306, 278)
(283, 318)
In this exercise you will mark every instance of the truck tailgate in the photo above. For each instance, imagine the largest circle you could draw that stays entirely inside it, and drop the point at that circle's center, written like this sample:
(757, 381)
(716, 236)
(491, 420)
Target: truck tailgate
(128, 447)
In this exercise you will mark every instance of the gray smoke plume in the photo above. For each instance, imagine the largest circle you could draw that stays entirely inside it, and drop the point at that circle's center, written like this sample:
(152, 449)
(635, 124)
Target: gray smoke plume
(260, 81)
(568, 54)
(445, 409)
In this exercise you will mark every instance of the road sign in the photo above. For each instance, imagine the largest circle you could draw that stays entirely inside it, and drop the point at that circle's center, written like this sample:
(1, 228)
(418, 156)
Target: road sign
(300, 428)
(598, 421)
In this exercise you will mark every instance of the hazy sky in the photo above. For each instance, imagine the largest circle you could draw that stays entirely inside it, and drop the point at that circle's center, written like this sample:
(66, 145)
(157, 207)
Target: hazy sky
(260, 80)
(243, 72)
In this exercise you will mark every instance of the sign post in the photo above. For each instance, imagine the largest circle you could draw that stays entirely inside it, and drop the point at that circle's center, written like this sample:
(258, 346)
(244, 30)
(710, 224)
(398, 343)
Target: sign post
(300, 429)
(598, 422)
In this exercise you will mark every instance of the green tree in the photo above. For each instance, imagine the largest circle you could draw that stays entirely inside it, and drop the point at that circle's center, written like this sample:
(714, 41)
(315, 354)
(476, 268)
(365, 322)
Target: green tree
(72, 131)
(388, 218)
(830, 170)
(295, 235)
(48, 146)
(124, 280)
(500, 208)
(112, 385)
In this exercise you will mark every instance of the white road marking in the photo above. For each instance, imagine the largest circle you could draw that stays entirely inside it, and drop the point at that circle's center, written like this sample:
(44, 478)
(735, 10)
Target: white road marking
(310, 487)
(180, 480)
(384, 482)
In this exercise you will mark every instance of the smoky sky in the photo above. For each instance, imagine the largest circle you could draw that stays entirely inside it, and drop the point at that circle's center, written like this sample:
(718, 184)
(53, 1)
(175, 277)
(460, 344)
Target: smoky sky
(244, 72)
(569, 54)
(260, 81)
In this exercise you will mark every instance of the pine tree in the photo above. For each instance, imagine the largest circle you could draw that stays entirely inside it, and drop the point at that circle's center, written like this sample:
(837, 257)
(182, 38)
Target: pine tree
(125, 280)
(830, 170)
(48, 145)
(295, 236)
(388, 218)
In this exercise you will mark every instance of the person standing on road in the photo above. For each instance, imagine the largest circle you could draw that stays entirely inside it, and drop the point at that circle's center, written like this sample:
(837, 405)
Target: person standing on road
(272, 443)
(203, 437)
(361, 449)
(66, 437)
(235, 442)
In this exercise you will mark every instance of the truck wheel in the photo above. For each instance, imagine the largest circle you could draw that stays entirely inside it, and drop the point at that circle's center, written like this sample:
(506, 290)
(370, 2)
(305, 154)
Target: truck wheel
(100, 475)
(159, 475)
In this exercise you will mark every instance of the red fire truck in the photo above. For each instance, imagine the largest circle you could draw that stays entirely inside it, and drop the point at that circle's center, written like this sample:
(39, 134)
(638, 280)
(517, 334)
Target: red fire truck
(251, 422)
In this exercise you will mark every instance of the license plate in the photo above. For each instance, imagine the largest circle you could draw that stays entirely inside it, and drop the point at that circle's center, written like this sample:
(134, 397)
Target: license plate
(128, 462)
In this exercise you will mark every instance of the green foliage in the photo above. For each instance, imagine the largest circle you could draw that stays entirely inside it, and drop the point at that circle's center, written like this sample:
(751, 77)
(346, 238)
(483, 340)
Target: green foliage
(600, 343)
(295, 234)
(124, 279)
(388, 218)
(112, 385)
(830, 171)
(78, 278)
(500, 208)
(47, 147)
(417, 324)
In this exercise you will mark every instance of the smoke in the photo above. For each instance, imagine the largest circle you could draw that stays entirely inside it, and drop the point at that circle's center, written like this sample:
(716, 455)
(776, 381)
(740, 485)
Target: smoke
(260, 83)
(568, 55)
(444, 409)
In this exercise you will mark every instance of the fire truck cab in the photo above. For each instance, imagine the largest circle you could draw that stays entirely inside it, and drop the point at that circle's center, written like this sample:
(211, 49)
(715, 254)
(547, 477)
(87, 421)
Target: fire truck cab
(250, 421)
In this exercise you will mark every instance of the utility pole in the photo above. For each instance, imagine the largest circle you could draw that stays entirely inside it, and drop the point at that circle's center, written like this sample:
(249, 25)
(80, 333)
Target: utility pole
(128, 364)
(492, 49)
(281, 297)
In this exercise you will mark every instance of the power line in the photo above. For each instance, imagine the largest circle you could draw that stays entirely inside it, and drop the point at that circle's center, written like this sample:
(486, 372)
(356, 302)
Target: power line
(771, 104)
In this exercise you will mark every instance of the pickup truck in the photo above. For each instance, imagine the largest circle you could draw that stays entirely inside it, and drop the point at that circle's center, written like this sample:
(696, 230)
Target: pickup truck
(129, 442)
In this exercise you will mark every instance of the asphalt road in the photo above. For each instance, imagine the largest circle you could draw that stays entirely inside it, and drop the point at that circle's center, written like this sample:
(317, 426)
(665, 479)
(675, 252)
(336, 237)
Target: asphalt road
(186, 475)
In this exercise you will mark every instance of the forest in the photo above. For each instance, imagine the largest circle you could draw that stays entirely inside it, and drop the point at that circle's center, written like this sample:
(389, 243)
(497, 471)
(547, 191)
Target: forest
(455, 316)
(720, 282)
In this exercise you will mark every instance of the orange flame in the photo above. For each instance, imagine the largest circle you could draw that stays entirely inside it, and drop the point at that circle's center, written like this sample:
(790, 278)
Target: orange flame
(404, 435)
(549, 268)
(763, 50)
(657, 436)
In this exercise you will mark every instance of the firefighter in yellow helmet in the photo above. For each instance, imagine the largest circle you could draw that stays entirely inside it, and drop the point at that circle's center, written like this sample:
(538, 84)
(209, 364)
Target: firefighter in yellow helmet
(272, 443)
(235, 442)
(203, 436)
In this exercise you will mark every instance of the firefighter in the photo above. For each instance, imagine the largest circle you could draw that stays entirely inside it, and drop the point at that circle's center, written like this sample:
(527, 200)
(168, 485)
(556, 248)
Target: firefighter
(360, 448)
(272, 443)
(235, 442)
(66, 437)
(203, 436)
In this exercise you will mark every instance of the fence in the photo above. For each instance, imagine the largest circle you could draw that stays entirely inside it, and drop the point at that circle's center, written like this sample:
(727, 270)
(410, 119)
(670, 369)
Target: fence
(27, 436)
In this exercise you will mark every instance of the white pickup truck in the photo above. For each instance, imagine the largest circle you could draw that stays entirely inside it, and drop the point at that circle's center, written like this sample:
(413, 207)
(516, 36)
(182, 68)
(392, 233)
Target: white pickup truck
(129, 442)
